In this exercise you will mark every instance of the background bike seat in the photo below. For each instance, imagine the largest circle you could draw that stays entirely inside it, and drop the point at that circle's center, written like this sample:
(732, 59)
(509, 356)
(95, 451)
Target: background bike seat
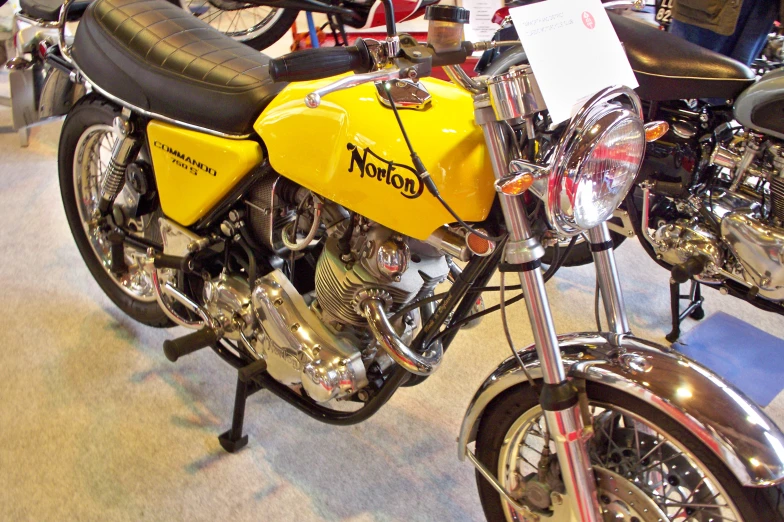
(49, 10)
(671, 68)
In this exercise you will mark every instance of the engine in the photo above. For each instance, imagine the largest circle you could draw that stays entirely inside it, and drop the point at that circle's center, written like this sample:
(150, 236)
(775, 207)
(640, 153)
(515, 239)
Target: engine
(320, 342)
(746, 241)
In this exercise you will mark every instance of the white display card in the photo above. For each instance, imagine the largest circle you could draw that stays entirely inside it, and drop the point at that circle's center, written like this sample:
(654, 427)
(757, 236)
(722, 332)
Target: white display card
(480, 26)
(573, 51)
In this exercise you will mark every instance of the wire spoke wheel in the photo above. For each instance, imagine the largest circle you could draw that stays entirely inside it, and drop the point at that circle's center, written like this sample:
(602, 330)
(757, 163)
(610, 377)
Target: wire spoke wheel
(93, 152)
(238, 20)
(643, 474)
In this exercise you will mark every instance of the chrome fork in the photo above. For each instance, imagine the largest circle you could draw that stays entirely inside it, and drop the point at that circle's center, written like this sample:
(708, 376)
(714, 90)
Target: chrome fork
(559, 398)
(609, 282)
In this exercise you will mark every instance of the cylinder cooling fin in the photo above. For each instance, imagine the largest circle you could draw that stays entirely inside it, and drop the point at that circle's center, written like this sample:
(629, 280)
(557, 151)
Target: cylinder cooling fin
(777, 197)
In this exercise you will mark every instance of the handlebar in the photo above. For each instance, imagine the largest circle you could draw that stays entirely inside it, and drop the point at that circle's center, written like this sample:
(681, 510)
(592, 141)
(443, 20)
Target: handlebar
(314, 64)
(372, 61)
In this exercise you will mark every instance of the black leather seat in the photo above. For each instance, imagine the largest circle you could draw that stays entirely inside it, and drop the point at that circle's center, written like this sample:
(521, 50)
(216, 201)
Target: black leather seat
(49, 10)
(670, 68)
(159, 58)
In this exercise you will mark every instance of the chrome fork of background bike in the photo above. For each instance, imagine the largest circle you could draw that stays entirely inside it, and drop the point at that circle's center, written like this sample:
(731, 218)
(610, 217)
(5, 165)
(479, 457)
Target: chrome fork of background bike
(559, 396)
(609, 282)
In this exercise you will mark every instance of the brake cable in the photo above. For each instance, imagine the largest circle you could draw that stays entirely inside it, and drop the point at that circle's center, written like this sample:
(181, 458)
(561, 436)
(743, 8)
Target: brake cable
(424, 175)
(547, 276)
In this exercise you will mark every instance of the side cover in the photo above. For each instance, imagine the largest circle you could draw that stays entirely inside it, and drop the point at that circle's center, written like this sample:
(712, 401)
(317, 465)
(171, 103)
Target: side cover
(194, 171)
(350, 150)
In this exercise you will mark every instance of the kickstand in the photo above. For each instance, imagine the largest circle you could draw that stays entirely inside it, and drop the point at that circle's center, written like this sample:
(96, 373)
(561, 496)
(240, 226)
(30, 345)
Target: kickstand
(233, 440)
(693, 309)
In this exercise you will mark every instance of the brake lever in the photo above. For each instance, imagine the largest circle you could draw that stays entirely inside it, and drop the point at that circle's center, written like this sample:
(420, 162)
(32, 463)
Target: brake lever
(313, 99)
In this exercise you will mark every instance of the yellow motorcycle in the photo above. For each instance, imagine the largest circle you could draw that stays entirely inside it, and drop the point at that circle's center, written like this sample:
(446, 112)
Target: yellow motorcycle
(301, 230)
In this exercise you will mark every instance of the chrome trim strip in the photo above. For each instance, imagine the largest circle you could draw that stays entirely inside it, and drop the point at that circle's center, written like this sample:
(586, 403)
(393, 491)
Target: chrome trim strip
(694, 77)
(713, 410)
(37, 21)
(155, 115)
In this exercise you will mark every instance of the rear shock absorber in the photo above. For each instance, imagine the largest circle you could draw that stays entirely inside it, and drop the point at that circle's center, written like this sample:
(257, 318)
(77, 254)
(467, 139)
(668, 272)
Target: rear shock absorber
(125, 149)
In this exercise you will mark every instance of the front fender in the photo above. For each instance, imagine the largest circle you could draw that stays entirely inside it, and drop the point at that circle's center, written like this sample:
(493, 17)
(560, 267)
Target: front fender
(721, 416)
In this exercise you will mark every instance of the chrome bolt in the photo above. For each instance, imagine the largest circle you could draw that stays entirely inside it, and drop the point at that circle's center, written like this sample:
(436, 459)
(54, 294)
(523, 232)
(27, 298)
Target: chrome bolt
(294, 327)
(278, 302)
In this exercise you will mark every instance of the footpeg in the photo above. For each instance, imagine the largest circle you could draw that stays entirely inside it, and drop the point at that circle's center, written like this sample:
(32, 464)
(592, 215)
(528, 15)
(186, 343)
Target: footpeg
(250, 372)
(685, 271)
(176, 348)
(175, 262)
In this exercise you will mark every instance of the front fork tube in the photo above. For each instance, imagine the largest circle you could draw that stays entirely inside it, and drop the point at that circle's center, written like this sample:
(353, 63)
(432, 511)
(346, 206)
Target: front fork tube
(559, 398)
(609, 282)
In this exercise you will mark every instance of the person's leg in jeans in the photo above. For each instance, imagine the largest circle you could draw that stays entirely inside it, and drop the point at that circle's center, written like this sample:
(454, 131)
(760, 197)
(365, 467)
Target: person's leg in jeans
(704, 37)
(755, 22)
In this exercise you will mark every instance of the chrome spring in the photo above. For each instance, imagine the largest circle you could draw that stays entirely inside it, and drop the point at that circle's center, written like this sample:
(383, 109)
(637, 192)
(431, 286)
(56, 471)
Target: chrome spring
(123, 152)
(114, 180)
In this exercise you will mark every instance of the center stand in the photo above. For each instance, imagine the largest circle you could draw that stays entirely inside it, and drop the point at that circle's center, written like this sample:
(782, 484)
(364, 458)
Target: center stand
(693, 308)
(233, 440)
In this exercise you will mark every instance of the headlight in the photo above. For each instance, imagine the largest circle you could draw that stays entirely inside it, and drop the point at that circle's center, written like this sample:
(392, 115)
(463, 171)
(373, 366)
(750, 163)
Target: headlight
(595, 163)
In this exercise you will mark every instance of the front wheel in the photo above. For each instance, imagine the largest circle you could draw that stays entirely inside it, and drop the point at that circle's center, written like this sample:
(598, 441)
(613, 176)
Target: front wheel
(648, 467)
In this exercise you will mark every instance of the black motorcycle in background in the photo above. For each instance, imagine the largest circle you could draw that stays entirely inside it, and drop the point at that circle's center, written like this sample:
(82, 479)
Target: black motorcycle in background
(709, 200)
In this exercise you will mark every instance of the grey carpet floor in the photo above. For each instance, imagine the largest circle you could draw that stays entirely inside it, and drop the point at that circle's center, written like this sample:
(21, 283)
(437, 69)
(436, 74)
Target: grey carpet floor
(95, 424)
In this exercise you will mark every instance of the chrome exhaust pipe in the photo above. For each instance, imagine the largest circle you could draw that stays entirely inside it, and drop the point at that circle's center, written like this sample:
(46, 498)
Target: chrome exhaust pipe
(171, 291)
(372, 306)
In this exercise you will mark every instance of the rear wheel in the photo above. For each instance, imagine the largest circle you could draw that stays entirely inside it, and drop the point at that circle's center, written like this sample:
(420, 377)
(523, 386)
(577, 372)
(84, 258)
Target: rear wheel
(255, 26)
(648, 467)
(85, 148)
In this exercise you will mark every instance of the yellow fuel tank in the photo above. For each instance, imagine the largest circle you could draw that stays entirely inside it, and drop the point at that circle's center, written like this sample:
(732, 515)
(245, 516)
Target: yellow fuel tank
(194, 171)
(350, 150)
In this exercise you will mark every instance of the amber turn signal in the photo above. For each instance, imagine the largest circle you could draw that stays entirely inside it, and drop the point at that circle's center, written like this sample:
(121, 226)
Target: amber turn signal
(516, 184)
(655, 130)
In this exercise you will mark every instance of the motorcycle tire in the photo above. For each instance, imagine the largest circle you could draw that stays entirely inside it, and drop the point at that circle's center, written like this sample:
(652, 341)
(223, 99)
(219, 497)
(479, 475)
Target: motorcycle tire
(258, 37)
(581, 252)
(512, 406)
(91, 116)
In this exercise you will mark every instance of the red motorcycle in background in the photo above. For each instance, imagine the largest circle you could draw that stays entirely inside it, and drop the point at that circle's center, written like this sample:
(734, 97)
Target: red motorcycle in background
(358, 14)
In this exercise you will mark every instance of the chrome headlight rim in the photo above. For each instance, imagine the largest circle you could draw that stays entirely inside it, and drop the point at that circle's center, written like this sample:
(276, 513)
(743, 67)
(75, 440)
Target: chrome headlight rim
(575, 146)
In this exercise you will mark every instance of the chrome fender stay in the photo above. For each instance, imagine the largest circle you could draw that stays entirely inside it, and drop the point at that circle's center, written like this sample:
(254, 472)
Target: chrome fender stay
(722, 417)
